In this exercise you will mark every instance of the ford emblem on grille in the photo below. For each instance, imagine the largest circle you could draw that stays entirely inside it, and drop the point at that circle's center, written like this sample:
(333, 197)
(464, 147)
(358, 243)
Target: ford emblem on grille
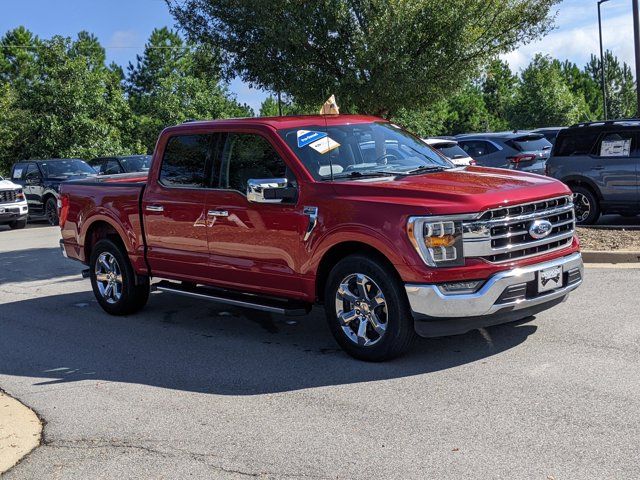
(540, 229)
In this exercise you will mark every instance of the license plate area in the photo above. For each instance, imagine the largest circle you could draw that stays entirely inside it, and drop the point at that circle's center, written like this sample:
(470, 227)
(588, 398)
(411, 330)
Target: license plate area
(550, 279)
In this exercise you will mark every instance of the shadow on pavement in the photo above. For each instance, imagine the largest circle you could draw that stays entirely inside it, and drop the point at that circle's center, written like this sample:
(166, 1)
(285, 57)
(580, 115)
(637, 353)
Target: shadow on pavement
(35, 264)
(196, 346)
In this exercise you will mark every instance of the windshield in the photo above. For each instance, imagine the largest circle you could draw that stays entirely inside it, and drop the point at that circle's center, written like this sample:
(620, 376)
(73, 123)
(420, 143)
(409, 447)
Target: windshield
(66, 168)
(340, 151)
(532, 143)
(136, 163)
(451, 150)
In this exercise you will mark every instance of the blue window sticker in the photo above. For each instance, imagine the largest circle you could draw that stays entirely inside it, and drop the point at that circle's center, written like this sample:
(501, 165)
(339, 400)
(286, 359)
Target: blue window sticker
(307, 137)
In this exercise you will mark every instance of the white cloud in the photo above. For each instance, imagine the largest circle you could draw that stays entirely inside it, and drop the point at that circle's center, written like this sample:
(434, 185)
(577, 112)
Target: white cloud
(124, 39)
(576, 37)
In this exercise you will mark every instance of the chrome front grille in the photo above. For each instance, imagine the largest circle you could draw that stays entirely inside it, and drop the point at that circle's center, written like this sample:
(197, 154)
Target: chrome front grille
(503, 234)
(7, 196)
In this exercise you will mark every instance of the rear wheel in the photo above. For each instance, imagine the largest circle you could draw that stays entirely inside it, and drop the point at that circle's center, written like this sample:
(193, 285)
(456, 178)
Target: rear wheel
(51, 211)
(367, 309)
(114, 281)
(586, 206)
(18, 224)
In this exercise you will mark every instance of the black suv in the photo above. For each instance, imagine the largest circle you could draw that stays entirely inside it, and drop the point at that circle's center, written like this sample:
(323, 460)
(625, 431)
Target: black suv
(41, 179)
(125, 164)
(600, 162)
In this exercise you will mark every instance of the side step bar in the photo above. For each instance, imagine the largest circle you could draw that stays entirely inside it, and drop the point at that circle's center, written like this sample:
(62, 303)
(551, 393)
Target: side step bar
(244, 300)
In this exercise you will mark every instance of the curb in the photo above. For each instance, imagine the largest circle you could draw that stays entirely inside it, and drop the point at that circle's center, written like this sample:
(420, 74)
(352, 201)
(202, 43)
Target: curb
(594, 256)
(20, 431)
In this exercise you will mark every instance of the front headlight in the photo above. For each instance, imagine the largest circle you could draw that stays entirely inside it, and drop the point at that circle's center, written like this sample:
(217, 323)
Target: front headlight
(438, 241)
(20, 195)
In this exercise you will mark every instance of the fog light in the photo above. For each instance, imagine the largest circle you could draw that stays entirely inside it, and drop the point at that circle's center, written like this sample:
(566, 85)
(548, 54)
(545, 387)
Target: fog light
(459, 288)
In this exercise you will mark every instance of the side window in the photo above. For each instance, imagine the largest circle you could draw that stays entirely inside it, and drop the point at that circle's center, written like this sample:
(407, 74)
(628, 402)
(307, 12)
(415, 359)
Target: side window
(32, 172)
(110, 167)
(246, 156)
(574, 144)
(19, 169)
(185, 160)
(477, 148)
(616, 144)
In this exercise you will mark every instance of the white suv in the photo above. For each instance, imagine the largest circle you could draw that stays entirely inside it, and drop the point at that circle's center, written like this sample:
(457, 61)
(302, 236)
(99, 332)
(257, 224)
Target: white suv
(13, 205)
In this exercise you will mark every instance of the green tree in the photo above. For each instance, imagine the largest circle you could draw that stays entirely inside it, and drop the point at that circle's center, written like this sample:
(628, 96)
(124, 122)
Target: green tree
(545, 99)
(377, 56)
(18, 53)
(172, 82)
(619, 85)
(582, 84)
(499, 86)
(65, 103)
(269, 107)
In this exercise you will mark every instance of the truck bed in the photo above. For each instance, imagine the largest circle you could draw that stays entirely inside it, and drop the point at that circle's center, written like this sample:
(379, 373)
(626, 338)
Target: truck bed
(93, 206)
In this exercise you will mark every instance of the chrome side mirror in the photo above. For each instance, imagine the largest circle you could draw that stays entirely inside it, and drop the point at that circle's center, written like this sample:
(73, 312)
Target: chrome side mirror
(270, 190)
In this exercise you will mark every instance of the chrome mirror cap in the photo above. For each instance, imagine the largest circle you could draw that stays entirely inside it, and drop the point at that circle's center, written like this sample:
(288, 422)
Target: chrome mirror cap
(265, 190)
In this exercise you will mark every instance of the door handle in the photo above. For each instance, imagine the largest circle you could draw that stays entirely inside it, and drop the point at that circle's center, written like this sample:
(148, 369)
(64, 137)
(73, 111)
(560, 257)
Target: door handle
(598, 167)
(218, 213)
(312, 213)
(154, 208)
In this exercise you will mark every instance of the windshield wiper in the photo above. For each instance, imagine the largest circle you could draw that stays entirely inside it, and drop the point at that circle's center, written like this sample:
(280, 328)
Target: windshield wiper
(358, 174)
(425, 169)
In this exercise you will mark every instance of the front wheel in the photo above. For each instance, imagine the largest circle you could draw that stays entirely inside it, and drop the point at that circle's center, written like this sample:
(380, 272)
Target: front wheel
(586, 206)
(51, 211)
(114, 281)
(18, 224)
(367, 309)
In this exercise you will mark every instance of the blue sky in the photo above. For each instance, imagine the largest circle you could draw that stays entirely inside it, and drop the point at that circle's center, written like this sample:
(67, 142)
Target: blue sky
(124, 25)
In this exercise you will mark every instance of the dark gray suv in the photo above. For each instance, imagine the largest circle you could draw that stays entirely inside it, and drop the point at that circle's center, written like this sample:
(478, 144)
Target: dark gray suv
(524, 151)
(599, 161)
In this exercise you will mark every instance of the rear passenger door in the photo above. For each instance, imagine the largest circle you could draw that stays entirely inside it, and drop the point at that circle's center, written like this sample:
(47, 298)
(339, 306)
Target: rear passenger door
(253, 245)
(614, 167)
(173, 209)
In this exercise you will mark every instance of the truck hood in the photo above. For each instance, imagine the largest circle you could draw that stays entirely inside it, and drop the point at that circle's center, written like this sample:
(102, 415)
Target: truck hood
(458, 190)
(8, 185)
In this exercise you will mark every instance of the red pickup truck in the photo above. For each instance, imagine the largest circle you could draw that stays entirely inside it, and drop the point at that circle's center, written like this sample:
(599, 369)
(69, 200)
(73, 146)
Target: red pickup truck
(351, 212)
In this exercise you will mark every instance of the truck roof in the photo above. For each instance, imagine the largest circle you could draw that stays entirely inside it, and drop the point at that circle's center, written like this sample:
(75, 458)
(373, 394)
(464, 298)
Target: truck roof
(286, 122)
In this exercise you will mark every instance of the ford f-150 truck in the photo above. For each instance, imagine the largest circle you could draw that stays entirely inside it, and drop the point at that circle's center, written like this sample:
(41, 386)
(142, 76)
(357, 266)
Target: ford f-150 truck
(351, 212)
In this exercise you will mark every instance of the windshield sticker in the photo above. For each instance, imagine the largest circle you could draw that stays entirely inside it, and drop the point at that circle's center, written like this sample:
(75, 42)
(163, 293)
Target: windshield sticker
(307, 137)
(324, 145)
(17, 173)
(615, 148)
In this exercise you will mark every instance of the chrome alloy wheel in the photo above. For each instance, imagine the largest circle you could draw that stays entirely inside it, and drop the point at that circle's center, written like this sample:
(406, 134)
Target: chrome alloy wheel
(361, 309)
(582, 207)
(108, 277)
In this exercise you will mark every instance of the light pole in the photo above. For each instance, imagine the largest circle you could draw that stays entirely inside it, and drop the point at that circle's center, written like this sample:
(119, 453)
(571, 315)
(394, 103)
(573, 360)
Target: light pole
(636, 41)
(602, 77)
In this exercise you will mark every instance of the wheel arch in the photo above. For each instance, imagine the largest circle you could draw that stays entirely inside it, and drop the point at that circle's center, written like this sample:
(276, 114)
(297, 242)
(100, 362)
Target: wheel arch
(341, 250)
(584, 182)
(98, 230)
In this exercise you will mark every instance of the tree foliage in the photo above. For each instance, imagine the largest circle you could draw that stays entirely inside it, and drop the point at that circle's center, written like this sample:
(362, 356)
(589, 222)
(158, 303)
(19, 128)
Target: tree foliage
(377, 56)
(58, 98)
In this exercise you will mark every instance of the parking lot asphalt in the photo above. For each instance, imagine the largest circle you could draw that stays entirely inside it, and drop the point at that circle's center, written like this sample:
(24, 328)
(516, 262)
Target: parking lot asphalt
(187, 389)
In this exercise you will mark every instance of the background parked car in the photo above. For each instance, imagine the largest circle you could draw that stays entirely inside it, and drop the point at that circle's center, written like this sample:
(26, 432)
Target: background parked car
(523, 151)
(41, 179)
(550, 133)
(13, 205)
(599, 161)
(124, 164)
(450, 149)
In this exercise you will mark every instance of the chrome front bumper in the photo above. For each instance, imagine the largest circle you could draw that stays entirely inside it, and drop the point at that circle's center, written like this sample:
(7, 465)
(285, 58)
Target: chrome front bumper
(429, 300)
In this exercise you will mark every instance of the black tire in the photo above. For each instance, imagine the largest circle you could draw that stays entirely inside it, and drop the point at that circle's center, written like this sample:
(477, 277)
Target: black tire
(18, 224)
(51, 211)
(399, 331)
(586, 206)
(132, 297)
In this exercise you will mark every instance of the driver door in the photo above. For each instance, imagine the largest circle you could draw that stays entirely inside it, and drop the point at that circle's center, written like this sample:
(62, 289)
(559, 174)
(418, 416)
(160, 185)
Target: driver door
(253, 245)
